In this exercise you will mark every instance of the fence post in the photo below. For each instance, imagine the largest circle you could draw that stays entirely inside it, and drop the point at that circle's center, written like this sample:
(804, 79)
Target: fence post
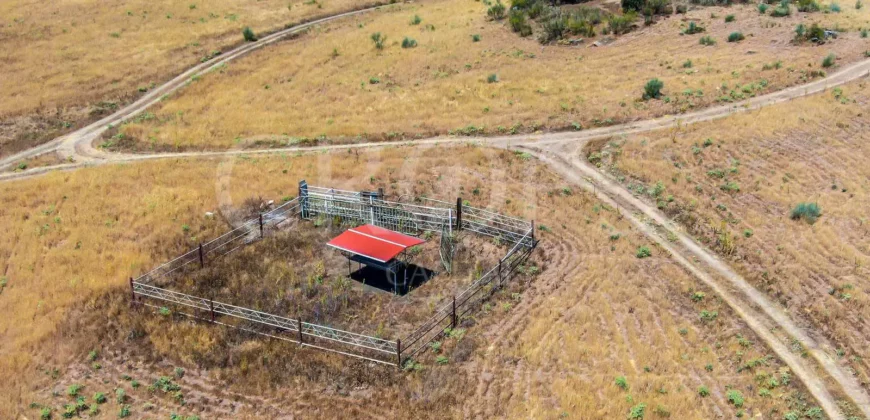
(299, 327)
(211, 307)
(499, 272)
(399, 353)
(201, 260)
(132, 292)
(261, 225)
(453, 321)
(533, 231)
(458, 213)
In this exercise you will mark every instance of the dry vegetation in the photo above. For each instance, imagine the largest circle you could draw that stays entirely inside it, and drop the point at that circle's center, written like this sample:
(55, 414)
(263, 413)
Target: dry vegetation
(65, 63)
(333, 83)
(737, 184)
(599, 327)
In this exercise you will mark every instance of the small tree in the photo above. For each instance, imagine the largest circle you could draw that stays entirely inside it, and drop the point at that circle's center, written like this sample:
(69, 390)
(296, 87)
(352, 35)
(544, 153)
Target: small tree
(379, 40)
(249, 34)
(653, 89)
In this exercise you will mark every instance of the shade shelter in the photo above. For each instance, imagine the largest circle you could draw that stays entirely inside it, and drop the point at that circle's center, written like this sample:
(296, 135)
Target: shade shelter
(378, 248)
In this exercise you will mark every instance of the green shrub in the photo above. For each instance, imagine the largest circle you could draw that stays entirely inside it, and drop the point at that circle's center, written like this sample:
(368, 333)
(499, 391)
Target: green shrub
(248, 34)
(621, 24)
(864, 33)
(637, 412)
(762, 8)
(653, 89)
(99, 398)
(687, 64)
(378, 40)
(835, 8)
(808, 6)
(518, 23)
(553, 26)
(707, 41)
(858, 5)
(124, 411)
(810, 212)
(416, 20)
(643, 252)
(409, 43)
(621, 382)
(735, 397)
(120, 395)
(492, 78)
(693, 29)
(736, 37)
(496, 11)
(536, 9)
(73, 390)
(475, 38)
(632, 5)
(730, 18)
(781, 11)
(829, 60)
(45, 413)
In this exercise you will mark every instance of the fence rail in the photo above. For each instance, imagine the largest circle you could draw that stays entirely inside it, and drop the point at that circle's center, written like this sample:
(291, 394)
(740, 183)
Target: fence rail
(361, 207)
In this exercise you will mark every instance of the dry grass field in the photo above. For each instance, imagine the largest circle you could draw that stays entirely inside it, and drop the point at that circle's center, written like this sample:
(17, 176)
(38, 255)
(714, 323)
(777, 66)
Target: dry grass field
(599, 333)
(67, 62)
(332, 83)
(736, 183)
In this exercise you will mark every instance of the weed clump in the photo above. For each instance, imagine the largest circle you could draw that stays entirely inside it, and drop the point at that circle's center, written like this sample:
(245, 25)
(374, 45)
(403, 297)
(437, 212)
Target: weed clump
(378, 39)
(643, 252)
(496, 11)
(693, 28)
(248, 34)
(810, 212)
(736, 37)
(409, 43)
(653, 89)
(829, 61)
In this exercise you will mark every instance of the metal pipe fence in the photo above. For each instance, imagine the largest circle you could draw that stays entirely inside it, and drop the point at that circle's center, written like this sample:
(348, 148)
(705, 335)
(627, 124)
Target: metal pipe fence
(358, 207)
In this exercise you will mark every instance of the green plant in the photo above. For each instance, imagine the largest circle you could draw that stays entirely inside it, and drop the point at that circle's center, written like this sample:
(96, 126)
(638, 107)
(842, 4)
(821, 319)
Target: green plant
(736, 37)
(496, 11)
(782, 10)
(653, 89)
(864, 33)
(621, 382)
(762, 8)
(835, 8)
(621, 24)
(99, 398)
(707, 41)
(442, 360)
(643, 252)
(730, 18)
(73, 390)
(179, 372)
(829, 60)
(810, 212)
(735, 397)
(92, 356)
(248, 34)
(518, 23)
(120, 395)
(416, 20)
(45, 413)
(687, 64)
(632, 5)
(492, 78)
(637, 412)
(703, 391)
(124, 411)
(378, 40)
(808, 6)
(693, 28)
(858, 5)
(698, 296)
(409, 43)
(475, 38)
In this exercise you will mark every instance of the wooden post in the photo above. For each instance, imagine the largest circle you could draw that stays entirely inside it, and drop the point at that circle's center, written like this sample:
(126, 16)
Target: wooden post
(132, 292)
(201, 260)
(381, 193)
(458, 213)
(399, 353)
(299, 327)
(499, 272)
(533, 231)
(453, 321)
(261, 225)
(211, 307)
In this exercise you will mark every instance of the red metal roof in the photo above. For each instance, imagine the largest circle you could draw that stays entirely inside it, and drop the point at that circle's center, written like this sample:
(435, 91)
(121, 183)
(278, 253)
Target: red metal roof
(374, 242)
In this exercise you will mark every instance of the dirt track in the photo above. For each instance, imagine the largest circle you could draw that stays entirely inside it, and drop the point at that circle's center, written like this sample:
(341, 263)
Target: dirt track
(560, 151)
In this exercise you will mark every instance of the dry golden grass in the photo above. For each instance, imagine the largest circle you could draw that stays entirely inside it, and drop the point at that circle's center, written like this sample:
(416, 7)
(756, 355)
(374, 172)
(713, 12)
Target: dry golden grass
(810, 150)
(595, 313)
(300, 88)
(60, 54)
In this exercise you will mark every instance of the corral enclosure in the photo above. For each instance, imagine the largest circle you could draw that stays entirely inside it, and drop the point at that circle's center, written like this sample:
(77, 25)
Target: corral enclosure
(291, 287)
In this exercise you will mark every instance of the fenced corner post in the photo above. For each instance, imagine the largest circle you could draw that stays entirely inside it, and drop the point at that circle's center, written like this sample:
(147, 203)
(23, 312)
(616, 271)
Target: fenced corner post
(132, 293)
(211, 309)
(458, 213)
(201, 259)
(533, 231)
(261, 225)
(299, 327)
(453, 319)
(399, 353)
